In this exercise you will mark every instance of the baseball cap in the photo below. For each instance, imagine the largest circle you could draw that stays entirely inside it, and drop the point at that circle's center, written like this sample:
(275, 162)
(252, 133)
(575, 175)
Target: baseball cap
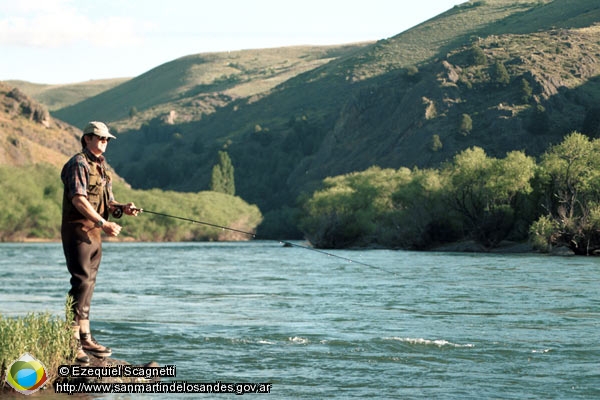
(98, 129)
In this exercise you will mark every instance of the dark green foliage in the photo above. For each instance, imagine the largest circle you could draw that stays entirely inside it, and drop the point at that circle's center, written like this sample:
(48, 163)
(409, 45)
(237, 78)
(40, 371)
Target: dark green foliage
(436, 143)
(526, 91)
(475, 197)
(465, 124)
(412, 73)
(539, 122)
(352, 210)
(280, 224)
(32, 202)
(484, 191)
(477, 56)
(591, 123)
(222, 179)
(499, 74)
(569, 180)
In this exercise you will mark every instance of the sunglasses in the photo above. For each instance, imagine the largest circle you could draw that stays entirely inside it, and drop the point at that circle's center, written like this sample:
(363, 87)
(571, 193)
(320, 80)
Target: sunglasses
(102, 139)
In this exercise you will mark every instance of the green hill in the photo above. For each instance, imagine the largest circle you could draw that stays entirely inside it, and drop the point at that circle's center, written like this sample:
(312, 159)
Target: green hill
(197, 85)
(498, 74)
(55, 97)
(34, 147)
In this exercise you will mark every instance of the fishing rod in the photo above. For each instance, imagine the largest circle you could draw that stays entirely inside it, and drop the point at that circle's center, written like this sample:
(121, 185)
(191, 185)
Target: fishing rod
(253, 235)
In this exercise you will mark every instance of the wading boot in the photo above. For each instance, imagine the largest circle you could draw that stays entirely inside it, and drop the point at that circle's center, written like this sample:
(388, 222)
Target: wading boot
(81, 357)
(91, 346)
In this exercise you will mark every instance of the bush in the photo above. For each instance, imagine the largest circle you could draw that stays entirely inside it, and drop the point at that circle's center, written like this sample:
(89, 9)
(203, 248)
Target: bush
(465, 125)
(436, 143)
(499, 74)
(542, 232)
(570, 175)
(32, 200)
(526, 91)
(47, 338)
(478, 56)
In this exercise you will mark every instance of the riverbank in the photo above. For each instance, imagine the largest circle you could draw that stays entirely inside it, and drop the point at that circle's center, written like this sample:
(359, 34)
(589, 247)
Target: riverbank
(44, 342)
(505, 247)
(465, 246)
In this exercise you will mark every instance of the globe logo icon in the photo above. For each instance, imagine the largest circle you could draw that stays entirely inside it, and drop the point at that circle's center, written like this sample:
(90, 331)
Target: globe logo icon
(26, 374)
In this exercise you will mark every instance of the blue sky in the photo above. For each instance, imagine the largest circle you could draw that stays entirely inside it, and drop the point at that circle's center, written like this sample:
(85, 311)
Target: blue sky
(67, 41)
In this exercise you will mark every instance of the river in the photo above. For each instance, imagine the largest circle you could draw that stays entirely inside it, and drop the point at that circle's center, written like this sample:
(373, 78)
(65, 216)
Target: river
(411, 325)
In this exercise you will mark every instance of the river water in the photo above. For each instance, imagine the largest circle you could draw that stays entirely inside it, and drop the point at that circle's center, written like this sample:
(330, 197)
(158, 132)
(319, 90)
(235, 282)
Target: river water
(411, 326)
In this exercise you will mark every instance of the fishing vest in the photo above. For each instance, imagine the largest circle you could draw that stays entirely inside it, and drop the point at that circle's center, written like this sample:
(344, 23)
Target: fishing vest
(97, 192)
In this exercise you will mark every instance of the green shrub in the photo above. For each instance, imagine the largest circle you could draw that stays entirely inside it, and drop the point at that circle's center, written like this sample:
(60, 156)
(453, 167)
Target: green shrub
(45, 337)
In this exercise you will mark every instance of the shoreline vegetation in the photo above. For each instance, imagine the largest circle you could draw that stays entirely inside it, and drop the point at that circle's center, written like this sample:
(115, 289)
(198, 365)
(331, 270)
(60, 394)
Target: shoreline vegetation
(474, 203)
(49, 339)
(46, 337)
(464, 246)
(32, 199)
(549, 203)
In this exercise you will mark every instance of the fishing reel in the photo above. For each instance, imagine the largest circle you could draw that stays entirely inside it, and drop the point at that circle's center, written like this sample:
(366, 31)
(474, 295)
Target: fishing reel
(117, 211)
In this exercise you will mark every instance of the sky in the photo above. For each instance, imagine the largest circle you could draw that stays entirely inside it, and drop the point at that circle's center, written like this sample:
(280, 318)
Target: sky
(69, 41)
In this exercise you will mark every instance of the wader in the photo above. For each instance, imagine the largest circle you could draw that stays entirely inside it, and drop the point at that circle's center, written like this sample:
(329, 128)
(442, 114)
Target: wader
(82, 241)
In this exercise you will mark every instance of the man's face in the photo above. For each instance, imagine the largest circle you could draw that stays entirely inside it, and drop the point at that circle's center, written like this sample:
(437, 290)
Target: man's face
(96, 144)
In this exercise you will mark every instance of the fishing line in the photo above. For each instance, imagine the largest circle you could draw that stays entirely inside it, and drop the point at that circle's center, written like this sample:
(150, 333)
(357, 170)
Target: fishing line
(253, 235)
(195, 221)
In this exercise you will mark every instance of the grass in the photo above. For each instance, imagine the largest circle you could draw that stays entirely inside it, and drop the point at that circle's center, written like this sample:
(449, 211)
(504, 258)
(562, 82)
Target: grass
(432, 38)
(32, 197)
(59, 96)
(198, 81)
(46, 337)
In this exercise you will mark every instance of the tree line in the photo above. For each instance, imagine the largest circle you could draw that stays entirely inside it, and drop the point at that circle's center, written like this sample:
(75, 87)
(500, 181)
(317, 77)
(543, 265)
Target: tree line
(553, 201)
(31, 197)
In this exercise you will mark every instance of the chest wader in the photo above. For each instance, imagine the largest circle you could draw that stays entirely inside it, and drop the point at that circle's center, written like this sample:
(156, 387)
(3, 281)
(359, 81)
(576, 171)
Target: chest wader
(82, 241)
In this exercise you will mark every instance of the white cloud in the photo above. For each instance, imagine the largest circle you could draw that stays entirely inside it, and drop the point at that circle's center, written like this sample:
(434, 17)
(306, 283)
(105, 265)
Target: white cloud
(57, 23)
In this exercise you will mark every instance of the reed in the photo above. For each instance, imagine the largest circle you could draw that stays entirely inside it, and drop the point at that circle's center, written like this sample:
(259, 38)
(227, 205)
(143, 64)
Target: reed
(46, 337)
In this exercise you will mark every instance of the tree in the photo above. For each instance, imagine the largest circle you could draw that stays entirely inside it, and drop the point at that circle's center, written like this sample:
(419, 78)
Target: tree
(352, 209)
(526, 91)
(222, 179)
(499, 74)
(465, 125)
(483, 190)
(569, 177)
(422, 218)
(436, 143)
(412, 73)
(478, 56)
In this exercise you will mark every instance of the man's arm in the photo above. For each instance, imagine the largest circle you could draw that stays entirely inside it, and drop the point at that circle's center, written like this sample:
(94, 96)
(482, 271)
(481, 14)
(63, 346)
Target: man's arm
(82, 205)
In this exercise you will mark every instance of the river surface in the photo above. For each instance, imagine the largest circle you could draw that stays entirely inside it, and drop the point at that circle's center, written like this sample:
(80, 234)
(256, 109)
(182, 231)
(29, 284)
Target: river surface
(410, 325)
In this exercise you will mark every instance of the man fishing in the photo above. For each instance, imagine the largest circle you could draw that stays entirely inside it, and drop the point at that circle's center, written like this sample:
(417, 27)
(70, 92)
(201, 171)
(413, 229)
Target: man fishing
(87, 202)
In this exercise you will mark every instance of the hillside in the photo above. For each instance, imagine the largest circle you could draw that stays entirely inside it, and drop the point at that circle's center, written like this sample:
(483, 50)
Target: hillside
(34, 147)
(29, 135)
(197, 85)
(55, 97)
(502, 75)
(550, 85)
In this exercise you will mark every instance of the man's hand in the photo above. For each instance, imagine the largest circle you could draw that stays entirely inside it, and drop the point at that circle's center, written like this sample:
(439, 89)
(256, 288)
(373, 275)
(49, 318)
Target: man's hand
(130, 209)
(111, 228)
